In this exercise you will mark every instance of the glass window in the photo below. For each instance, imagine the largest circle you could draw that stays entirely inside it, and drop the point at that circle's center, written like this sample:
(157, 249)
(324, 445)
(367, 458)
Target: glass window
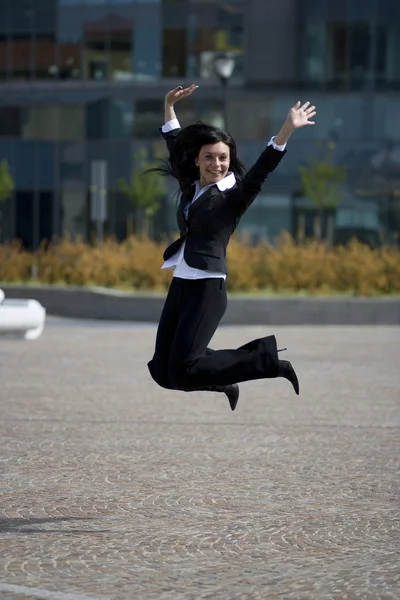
(96, 41)
(46, 207)
(339, 117)
(365, 10)
(351, 54)
(10, 121)
(4, 18)
(214, 29)
(121, 55)
(335, 11)
(46, 156)
(21, 15)
(387, 59)
(21, 50)
(70, 33)
(53, 123)
(121, 119)
(148, 117)
(388, 9)
(208, 111)
(97, 119)
(120, 43)
(174, 53)
(147, 53)
(360, 54)
(312, 55)
(73, 209)
(251, 119)
(147, 40)
(4, 57)
(386, 119)
(45, 59)
(173, 14)
(337, 54)
(312, 9)
(44, 16)
(108, 43)
(24, 218)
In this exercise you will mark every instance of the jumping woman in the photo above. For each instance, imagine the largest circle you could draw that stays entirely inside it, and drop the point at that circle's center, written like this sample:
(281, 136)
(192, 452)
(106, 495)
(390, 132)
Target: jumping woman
(215, 193)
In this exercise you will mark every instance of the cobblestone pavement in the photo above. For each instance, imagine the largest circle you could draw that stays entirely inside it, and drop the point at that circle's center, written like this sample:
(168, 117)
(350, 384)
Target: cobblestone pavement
(114, 488)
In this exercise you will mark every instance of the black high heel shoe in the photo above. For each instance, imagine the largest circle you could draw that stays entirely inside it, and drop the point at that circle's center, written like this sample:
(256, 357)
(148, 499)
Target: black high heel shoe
(286, 370)
(231, 390)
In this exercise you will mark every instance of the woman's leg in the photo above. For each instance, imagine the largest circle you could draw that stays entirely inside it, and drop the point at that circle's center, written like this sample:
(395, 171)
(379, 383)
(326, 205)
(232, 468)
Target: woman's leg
(159, 365)
(192, 364)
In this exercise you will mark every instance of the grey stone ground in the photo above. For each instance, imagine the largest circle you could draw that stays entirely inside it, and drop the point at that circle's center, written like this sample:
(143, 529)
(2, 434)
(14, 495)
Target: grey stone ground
(114, 488)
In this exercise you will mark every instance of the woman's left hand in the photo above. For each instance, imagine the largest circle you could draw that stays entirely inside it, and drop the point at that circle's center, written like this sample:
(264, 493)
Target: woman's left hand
(299, 116)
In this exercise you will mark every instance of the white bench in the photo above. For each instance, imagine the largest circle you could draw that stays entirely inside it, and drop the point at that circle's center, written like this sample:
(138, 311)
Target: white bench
(21, 318)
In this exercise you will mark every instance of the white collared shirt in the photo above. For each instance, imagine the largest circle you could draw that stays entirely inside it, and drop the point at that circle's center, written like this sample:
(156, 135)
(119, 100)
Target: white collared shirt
(177, 261)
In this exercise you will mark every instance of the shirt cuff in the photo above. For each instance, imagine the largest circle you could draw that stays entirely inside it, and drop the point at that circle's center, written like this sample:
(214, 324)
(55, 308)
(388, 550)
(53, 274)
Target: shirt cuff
(170, 125)
(272, 143)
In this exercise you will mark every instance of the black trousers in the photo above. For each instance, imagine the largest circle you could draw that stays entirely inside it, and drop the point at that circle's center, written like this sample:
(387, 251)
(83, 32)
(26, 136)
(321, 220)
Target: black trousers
(182, 359)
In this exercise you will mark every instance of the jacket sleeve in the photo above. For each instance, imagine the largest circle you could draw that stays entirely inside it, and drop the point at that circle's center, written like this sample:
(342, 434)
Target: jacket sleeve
(169, 137)
(249, 188)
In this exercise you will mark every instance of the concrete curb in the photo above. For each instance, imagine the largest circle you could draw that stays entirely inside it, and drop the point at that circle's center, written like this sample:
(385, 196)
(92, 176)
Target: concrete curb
(101, 303)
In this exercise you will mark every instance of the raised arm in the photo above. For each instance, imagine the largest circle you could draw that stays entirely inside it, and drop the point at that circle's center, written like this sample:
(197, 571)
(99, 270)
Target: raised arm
(171, 99)
(169, 107)
(250, 187)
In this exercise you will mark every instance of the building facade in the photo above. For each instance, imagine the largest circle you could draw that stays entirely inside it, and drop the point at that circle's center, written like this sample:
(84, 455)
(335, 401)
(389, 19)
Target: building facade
(85, 80)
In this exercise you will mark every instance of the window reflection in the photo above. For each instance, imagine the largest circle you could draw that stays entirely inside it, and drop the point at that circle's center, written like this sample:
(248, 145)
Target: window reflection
(95, 53)
(73, 209)
(108, 45)
(212, 29)
(10, 121)
(21, 46)
(52, 123)
(70, 32)
(21, 15)
(312, 54)
(97, 119)
(44, 15)
(147, 53)
(4, 60)
(174, 53)
(351, 54)
(208, 111)
(45, 60)
(113, 119)
(120, 46)
(359, 54)
(387, 60)
(148, 118)
(121, 119)
(338, 49)
(70, 60)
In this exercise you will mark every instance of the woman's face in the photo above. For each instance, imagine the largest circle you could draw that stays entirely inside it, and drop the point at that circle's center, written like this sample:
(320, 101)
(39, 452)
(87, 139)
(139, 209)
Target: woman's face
(213, 162)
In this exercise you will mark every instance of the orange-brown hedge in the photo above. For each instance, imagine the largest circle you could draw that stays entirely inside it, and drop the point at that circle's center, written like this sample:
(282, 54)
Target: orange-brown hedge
(287, 267)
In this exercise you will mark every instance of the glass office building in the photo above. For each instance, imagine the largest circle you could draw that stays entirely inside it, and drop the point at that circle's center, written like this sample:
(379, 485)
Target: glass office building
(85, 80)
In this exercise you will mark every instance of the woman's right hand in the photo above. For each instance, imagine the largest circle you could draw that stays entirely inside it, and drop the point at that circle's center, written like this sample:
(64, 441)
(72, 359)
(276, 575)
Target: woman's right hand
(178, 93)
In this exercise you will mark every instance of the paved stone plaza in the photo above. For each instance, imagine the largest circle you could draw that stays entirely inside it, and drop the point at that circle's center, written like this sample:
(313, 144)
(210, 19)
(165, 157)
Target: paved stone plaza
(114, 488)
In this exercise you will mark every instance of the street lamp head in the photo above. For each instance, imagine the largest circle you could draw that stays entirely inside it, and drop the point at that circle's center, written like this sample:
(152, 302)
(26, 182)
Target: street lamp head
(224, 65)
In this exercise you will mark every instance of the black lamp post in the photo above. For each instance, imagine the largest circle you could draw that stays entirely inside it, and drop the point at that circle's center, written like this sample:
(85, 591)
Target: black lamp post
(223, 66)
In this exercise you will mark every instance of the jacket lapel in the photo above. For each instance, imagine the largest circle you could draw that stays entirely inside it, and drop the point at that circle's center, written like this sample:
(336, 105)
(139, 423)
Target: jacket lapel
(186, 197)
(208, 195)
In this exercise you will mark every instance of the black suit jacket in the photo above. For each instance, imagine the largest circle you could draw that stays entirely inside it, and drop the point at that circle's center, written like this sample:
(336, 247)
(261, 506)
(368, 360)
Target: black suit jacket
(214, 216)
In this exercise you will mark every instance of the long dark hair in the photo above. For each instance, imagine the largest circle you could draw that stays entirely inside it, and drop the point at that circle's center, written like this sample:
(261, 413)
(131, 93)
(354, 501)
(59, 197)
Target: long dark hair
(186, 148)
